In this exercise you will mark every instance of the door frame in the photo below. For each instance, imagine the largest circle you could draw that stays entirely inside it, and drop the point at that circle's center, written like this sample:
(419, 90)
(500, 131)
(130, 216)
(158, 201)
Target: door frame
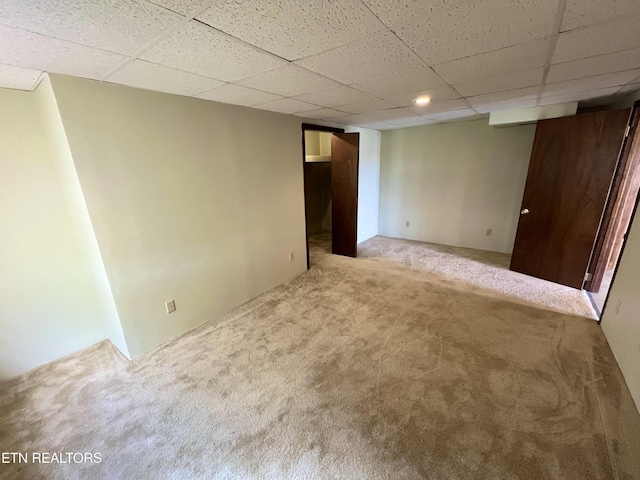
(606, 234)
(317, 128)
(624, 245)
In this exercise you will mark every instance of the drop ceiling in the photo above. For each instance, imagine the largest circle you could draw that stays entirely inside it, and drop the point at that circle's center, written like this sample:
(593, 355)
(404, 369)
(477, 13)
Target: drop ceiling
(355, 62)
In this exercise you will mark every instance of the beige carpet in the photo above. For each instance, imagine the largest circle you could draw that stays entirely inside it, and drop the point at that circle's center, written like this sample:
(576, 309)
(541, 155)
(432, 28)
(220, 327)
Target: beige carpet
(484, 272)
(359, 369)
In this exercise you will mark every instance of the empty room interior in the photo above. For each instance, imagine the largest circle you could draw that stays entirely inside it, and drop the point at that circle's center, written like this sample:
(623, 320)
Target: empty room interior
(304, 239)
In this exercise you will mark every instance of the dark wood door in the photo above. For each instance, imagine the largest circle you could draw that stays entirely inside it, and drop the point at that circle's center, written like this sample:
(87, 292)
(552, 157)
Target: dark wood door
(344, 193)
(570, 175)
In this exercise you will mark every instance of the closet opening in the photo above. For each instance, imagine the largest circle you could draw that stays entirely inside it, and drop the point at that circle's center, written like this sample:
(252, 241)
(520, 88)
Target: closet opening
(316, 143)
(330, 160)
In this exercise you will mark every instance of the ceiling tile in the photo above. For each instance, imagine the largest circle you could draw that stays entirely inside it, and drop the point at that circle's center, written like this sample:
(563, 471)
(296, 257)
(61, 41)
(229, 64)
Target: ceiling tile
(183, 7)
(292, 30)
(597, 40)
(382, 126)
(525, 56)
(464, 113)
(86, 62)
(421, 78)
(150, 76)
(507, 105)
(508, 96)
(379, 126)
(288, 80)
(630, 88)
(518, 79)
(237, 95)
(591, 83)
(122, 26)
(377, 56)
(286, 105)
(424, 124)
(322, 113)
(415, 120)
(439, 107)
(335, 97)
(391, 114)
(368, 106)
(436, 94)
(578, 13)
(610, 63)
(29, 50)
(353, 120)
(18, 78)
(470, 118)
(439, 31)
(198, 49)
(606, 93)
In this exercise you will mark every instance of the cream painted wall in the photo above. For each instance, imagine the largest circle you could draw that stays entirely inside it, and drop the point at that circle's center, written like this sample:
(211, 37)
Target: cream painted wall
(317, 143)
(89, 252)
(368, 182)
(454, 181)
(311, 142)
(324, 143)
(190, 200)
(48, 307)
(621, 318)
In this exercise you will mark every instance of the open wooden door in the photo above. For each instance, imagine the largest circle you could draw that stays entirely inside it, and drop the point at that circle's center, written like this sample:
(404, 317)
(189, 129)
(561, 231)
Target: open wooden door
(344, 193)
(571, 171)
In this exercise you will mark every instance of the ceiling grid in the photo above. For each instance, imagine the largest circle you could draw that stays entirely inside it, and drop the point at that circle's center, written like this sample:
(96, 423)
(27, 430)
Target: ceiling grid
(355, 62)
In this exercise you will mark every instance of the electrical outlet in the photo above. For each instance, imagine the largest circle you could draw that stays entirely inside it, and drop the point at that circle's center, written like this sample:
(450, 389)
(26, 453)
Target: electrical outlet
(291, 256)
(618, 306)
(489, 232)
(406, 224)
(171, 306)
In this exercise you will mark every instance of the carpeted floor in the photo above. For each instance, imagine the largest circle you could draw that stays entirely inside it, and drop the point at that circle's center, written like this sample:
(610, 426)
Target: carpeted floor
(484, 272)
(359, 369)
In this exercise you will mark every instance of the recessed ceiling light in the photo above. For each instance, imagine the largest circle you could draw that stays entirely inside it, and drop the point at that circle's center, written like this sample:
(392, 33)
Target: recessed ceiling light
(422, 100)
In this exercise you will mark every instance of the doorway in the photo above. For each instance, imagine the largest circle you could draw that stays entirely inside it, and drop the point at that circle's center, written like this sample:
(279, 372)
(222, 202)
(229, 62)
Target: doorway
(317, 194)
(617, 217)
(582, 188)
(330, 168)
(572, 168)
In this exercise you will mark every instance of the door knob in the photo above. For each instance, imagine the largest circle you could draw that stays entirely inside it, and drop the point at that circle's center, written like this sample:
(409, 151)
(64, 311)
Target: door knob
(524, 211)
